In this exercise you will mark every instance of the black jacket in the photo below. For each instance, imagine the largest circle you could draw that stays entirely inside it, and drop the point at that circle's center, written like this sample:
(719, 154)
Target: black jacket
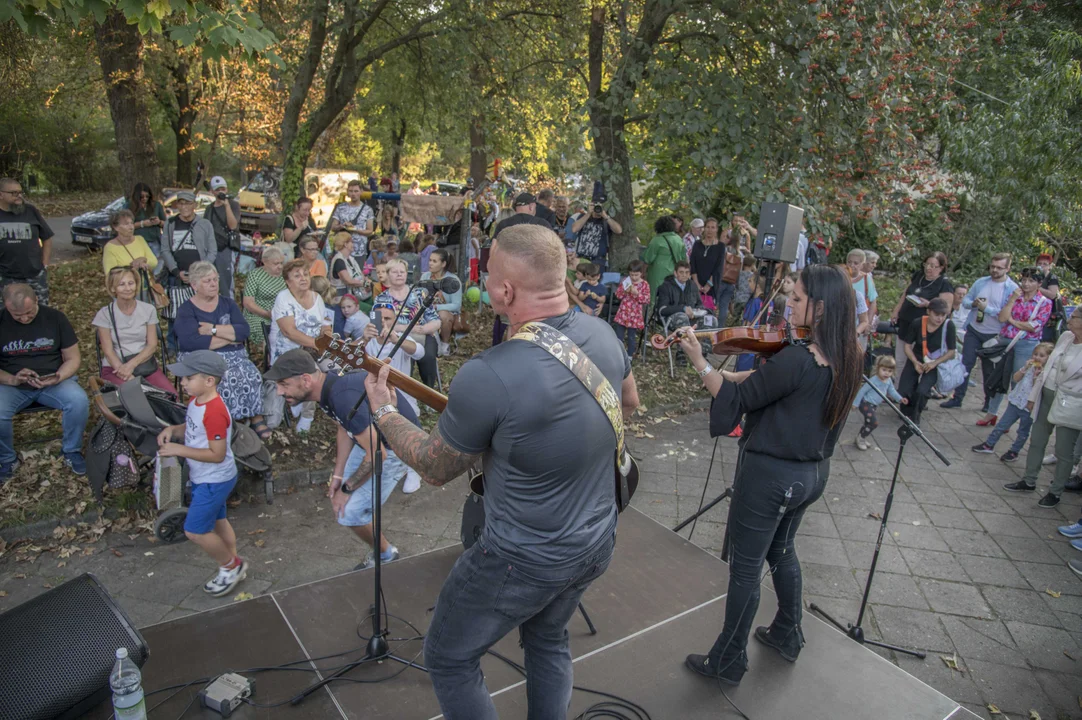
(671, 299)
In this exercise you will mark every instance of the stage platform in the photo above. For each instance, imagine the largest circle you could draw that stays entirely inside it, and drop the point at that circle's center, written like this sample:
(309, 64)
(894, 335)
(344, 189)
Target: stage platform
(661, 598)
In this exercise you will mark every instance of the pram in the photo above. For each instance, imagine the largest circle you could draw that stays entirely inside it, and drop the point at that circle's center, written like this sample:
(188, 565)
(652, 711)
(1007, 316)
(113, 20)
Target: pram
(142, 412)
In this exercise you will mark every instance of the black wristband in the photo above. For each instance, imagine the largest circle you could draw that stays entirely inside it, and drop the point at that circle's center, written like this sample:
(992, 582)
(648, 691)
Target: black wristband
(347, 490)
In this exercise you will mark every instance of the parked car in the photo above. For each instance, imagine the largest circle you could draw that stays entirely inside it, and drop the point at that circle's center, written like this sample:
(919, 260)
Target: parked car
(92, 231)
(261, 202)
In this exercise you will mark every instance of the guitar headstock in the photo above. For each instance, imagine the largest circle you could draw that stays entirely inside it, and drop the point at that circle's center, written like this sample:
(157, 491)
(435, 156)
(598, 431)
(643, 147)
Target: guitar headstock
(345, 354)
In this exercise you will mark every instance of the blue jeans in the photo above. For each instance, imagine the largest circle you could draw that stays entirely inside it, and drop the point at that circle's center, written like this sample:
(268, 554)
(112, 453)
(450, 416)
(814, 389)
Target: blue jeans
(67, 396)
(358, 511)
(628, 337)
(723, 296)
(762, 525)
(972, 342)
(1023, 351)
(487, 596)
(1011, 415)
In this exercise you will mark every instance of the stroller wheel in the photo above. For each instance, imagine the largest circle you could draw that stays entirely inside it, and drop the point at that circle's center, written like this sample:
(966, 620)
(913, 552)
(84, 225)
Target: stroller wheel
(169, 526)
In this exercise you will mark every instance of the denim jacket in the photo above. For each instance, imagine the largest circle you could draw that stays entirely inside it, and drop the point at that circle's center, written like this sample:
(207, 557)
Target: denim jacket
(975, 292)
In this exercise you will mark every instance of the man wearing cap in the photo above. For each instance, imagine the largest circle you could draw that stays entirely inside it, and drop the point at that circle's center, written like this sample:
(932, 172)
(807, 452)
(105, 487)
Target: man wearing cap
(224, 216)
(207, 435)
(525, 207)
(25, 241)
(592, 232)
(186, 239)
(299, 380)
(694, 234)
(1050, 289)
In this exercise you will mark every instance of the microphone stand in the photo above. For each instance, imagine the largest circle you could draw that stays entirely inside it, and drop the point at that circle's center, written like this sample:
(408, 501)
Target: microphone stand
(377, 649)
(907, 430)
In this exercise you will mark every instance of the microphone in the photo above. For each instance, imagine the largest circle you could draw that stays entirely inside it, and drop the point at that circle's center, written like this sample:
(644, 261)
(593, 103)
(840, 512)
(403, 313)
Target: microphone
(446, 285)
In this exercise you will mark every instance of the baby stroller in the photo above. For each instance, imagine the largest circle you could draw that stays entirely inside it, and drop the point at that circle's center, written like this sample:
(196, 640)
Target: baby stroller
(141, 412)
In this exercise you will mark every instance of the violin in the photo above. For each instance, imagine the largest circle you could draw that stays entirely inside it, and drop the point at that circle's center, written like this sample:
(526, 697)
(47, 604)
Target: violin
(741, 339)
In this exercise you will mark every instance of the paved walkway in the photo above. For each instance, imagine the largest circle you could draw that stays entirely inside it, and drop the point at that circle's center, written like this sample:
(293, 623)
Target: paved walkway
(968, 571)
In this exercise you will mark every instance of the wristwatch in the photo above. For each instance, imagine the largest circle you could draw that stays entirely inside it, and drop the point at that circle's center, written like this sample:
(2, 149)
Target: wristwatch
(384, 410)
(344, 487)
(213, 330)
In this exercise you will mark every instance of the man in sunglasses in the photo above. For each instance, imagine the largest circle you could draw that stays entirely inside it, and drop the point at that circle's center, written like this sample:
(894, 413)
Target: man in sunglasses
(25, 241)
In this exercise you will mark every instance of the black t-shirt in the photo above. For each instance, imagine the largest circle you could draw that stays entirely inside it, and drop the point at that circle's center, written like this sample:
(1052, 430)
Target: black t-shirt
(35, 345)
(911, 335)
(20, 242)
(291, 224)
(183, 246)
(921, 287)
(217, 218)
(522, 219)
(1057, 304)
(340, 394)
(545, 214)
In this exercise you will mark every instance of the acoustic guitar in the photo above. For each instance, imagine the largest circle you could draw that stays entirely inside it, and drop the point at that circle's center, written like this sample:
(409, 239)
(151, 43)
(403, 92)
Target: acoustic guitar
(347, 354)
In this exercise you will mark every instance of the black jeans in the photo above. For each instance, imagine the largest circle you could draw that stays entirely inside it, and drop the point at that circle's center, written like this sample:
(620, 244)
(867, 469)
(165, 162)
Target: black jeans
(426, 366)
(871, 422)
(629, 337)
(487, 596)
(769, 499)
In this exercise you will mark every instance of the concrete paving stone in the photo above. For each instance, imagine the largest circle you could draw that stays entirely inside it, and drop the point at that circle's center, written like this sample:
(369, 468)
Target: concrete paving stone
(978, 710)
(842, 609)
(878, 489)
(1066, 605)
(983, 501)
(822, 551)
(1025, 504)
(162, 582)
(893, 589)
(958, 686)
(936, 495)
(1057, 578)
(1063, 690)
(143, 612)
(1004, 524)
(1062, 549)
(316, 566)
(855, 505)
(847, 486)
(933, 564)
(818, 524)
(987, 640)
(998, 572)
(199, 601)
(970, 542)
(915, 629)
(957, 518)
(902, 513)
(657, 482)
(1002, 472)
(864, 529)
(1020, 605)
(1028, 549)
(1049, 648)
(1014, 690)
(924, 537)
(963, 481)
(659, 503)
(890, 559)
(707, 533)
(176, 614)
(829, 581)
(955, 598)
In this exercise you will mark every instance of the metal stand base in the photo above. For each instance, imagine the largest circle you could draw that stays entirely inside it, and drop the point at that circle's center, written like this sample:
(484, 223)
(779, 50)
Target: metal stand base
(856, 632)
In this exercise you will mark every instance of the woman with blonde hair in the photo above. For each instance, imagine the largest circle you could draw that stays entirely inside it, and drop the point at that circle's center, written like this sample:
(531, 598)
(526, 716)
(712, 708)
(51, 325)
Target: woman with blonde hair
(297, 319)
(346, 274)
(128, 333)
(398, 293)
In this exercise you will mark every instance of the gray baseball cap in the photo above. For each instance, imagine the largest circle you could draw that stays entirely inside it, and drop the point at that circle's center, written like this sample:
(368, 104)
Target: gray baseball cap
(186, 195)
(291, 364)
(206, 362)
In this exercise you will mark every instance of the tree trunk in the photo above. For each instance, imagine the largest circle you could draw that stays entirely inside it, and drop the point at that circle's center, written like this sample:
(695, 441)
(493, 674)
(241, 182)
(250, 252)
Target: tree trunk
(398, 141)
(478, 155)
(611, 151)
(184, 122)
(120, 54)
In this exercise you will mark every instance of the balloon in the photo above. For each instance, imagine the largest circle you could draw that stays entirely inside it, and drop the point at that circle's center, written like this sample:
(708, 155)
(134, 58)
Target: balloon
(473, 294)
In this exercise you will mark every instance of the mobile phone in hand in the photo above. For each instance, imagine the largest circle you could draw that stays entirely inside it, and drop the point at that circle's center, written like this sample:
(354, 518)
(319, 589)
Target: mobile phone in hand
(45, 377)
(377, 320)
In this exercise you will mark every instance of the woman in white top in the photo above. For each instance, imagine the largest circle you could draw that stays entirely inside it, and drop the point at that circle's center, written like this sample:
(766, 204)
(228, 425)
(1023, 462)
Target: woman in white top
(345, 272)
(128, 332)
(1062, 372)
(297, 319)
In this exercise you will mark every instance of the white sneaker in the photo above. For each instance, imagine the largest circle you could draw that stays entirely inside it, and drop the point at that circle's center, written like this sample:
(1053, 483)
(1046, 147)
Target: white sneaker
(862, 442)
(412, 483)
(1049, 460)
(444, 348)
(370, 559)
(304, 425)
(224, 582)
(296, 409)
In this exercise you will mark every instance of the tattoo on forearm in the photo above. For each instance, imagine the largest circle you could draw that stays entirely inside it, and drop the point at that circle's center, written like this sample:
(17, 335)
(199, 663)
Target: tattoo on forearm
(357, 479)
(430, 455)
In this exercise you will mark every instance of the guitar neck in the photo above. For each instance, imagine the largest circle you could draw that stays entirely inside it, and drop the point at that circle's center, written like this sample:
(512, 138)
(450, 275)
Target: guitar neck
(414, 388)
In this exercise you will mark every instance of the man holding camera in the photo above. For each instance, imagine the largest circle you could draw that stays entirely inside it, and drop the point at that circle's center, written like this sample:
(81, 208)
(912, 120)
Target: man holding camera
(224, 217)
(592, 232)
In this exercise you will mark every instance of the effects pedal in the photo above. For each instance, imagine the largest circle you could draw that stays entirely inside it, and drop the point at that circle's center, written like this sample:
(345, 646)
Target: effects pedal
(226, 693)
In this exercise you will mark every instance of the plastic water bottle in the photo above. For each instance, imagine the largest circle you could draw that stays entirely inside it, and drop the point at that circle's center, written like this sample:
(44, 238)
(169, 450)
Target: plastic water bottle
(127, 684)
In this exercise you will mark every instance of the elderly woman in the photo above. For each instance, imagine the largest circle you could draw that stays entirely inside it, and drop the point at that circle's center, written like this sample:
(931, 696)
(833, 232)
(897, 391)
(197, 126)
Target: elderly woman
(298, 318)
(398, 294)
(127, 248)
(871, 259)
(128, 333)
(260, 290)
(1062, 373)
(346, 274)
(448, 306)
(208, 321)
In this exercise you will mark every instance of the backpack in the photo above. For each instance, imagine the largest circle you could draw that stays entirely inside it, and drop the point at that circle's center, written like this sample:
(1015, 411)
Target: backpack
(816, 255)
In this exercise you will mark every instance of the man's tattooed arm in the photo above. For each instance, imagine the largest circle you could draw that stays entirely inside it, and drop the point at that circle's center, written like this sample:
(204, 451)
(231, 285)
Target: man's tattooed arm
(430, 455)
(357, 479)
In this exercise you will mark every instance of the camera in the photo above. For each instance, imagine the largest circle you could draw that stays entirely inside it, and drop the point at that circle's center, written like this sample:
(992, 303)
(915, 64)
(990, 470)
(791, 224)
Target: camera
(597, 209)
(222, 195)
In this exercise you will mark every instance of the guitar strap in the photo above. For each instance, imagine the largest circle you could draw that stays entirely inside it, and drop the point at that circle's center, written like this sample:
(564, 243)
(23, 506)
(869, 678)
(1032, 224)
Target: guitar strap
(582, 367)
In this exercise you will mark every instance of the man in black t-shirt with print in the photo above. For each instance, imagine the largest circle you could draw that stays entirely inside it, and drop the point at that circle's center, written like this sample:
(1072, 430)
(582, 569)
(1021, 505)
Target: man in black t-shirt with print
(39, 357)
(25, 241)
(224, 217)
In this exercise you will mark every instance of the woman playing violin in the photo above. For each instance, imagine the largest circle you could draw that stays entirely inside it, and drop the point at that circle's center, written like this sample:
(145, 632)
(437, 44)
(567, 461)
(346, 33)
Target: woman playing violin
(796, 404)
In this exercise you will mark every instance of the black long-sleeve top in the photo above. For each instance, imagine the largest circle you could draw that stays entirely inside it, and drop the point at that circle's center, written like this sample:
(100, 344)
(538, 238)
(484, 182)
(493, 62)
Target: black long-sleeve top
(783, 401)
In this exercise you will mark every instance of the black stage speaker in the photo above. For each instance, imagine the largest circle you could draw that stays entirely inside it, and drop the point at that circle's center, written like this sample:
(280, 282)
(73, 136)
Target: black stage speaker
(57, 650)
(779, 232)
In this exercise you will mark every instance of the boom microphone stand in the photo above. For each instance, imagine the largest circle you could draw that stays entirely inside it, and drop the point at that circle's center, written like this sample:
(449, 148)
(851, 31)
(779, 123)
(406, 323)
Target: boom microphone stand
(855, 631)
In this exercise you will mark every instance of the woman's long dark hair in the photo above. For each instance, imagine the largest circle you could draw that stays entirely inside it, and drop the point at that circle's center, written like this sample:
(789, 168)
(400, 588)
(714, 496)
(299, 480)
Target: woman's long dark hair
(137, 197)
(835, 334)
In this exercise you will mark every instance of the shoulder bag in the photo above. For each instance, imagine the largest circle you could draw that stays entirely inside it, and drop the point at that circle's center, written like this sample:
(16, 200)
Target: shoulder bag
(731, 272)
(949, 374)
(1066, 407)
(143, 369)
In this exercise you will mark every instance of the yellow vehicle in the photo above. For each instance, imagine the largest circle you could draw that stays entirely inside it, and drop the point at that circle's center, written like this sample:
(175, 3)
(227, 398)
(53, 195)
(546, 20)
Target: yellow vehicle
(261, 203)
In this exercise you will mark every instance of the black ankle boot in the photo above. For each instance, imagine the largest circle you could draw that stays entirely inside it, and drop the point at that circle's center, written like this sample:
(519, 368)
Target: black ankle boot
(707, 667)
(788, 646)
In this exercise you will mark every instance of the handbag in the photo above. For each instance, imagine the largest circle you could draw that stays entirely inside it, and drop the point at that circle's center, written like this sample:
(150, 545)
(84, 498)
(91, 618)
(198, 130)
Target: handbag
(155, 292)
(1066, 410)
(949, 374)
(731, 272)
(110, 445)
(143, 369)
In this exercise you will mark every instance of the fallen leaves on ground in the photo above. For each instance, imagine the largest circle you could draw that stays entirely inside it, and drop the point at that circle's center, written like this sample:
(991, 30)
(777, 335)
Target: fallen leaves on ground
(242, 596)
(993, 710)
(1053, 593)
(951, 661)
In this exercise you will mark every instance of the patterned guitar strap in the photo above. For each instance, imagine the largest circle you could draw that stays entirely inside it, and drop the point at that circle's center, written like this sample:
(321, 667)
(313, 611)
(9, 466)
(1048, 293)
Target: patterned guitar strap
(581, 366)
